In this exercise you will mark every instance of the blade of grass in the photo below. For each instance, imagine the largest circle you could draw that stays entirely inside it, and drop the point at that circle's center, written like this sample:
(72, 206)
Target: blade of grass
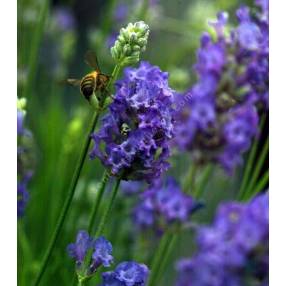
(250, 162)
(257, 170)
(261, 184)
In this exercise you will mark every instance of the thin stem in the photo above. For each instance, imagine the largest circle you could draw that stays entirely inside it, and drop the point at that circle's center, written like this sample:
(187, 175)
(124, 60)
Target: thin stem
(103, 183)
(67, 201)
(159, 254)
(190, 179)
(250, 161)
(257, 169)
(168, 240)
(74, 182)
(172, 241)
(108, 208)
(205, 177)
(261, 184)
(102, 224)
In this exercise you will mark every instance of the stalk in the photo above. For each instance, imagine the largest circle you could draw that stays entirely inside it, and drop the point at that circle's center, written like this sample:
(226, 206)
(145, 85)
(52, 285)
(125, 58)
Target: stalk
(74, 182)
(107, 209)
(250, 161)
(261, 184)
(103, 183)
(157, 258)
(67, 201)
(102, 223)
(168, 240)
(257, 170)
(205, 176)
(189, 182)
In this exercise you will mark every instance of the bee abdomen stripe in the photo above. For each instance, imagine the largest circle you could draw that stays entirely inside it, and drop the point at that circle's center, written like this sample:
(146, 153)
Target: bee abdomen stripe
(88, 82)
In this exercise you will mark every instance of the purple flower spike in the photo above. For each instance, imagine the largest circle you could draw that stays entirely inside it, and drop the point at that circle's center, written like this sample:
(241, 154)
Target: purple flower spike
(133, 141)
(102, 254)
(233, 250)
(78, 250)
(126, 274)
(101, 248)
(163, 204)
(217, 119)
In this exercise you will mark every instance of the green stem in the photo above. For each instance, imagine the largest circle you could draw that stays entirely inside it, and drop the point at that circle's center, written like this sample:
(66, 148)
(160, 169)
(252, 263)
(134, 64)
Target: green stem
(74, 182)
(103, 183)
(257, 170)
(205, 176)
(190, 179)
(261, 184)
(250, 161)
(157, 258)
(101, 226)
(107, 209)
(172, 241)
(168, 240)
(67, 201)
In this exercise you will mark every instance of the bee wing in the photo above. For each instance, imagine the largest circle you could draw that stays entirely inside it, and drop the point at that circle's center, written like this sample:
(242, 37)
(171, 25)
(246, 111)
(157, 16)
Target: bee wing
(91, 60)
(73, 81)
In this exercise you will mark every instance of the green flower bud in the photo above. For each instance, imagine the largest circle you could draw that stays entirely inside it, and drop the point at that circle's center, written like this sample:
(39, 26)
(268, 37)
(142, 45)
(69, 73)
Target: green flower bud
(131, 41)
(21, 104)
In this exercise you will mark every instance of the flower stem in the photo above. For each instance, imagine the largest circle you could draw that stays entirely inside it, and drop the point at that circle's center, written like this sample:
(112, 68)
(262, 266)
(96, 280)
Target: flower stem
(190, 179)
(203, 181)
(250, 161)
(157, 258)
(67, 201)
(107, 209)
(256, 171)
(261, 184)
(103, 183)
(74, 182)
(168, 241)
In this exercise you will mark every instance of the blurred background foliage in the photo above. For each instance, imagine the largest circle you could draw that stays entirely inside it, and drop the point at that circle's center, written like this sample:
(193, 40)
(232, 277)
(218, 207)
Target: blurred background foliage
(53, 37)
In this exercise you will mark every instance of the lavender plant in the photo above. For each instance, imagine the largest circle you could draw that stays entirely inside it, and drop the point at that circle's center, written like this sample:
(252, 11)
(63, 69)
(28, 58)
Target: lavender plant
(126, 273)
(133, 141)
(126, 51)
(233, 250)
(164, 205)
(146, 122)
(218, 117)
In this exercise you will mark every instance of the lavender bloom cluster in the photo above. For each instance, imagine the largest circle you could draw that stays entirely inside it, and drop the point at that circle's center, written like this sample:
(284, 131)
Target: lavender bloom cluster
(164, 204)
(133, 141)
(127, 273)
(100, 247)
(24, 169)
(232, 251)
(217, 118)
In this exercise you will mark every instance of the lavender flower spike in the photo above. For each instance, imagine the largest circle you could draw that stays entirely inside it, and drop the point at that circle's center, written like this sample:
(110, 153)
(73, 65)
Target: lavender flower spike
(101, 251)
(133, 141)
(126, 274)
(233, 250)
(131, 41)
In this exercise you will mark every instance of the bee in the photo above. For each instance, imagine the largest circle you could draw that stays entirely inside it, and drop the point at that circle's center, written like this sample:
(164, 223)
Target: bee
(93, 81)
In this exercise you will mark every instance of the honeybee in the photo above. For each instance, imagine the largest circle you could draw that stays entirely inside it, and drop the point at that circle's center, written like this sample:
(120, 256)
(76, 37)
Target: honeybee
(93, 81)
